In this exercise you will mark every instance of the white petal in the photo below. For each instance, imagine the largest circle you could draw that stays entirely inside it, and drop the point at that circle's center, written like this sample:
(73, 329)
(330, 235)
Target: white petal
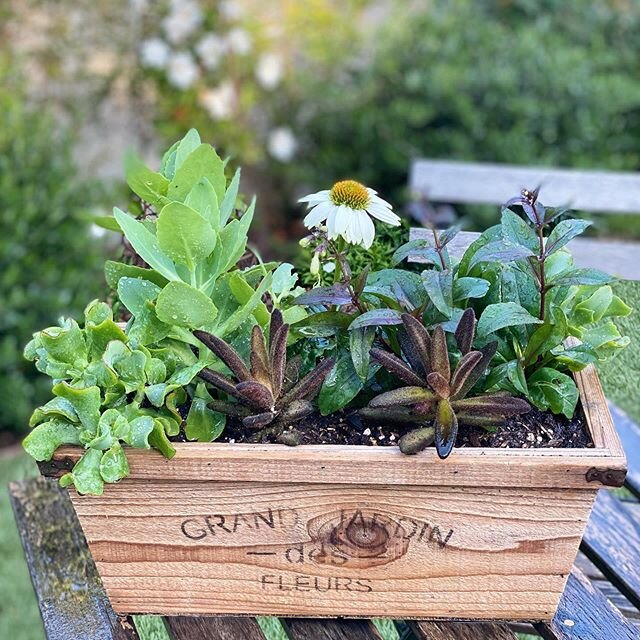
(367, 229)
(371, 192)
(375, 199)
(331, 222)
(320, 196)
(383, 214)
(342, 219)
(317, 214)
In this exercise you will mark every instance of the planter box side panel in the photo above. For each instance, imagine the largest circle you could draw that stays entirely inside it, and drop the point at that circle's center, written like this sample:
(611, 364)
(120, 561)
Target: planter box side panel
(322, 549)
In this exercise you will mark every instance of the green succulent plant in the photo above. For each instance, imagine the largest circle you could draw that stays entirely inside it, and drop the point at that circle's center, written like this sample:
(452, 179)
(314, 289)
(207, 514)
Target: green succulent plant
(267, 391)
(437, 394)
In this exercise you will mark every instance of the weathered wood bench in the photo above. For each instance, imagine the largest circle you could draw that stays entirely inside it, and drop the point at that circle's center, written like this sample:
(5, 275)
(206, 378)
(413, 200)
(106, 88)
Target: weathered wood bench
(600, 601)
(443, 181)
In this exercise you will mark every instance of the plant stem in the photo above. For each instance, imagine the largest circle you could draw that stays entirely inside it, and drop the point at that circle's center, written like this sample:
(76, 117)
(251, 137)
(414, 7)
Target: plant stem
(438, 247)
(541, 266)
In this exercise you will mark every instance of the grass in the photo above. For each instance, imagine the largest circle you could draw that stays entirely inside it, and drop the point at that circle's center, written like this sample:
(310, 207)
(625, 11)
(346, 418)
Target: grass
(19, 616)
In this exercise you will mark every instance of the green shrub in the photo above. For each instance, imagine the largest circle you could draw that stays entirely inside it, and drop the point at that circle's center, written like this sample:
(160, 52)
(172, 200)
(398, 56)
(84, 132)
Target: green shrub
(48, 263)
(546, 83)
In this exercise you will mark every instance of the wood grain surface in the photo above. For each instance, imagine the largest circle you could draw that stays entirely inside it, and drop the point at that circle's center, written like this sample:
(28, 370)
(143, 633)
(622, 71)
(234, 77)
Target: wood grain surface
(194, 628)
(461, 631)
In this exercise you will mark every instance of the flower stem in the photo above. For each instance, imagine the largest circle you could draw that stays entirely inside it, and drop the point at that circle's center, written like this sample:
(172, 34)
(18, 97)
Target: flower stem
(541, 268)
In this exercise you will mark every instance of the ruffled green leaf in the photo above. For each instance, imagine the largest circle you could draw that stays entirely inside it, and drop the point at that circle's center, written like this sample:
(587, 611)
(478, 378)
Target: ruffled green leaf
(203, 424)
(42, 442)
(113, 464)
(85, 475)
(86, 403)
(551, 389)
(185, 306)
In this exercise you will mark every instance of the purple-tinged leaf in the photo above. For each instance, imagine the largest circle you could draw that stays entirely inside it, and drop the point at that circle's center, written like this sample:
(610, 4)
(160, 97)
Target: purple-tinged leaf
(492, 404)
(256, 394)
(219, 381)
(416, 440)
(396, 366)
(405, 396)
(296, 410)
(276, 322)
(421, 250)
(260, 365)
(439, 356)
(292, 372)
(466, 331)
(259, 420)
(336, 294)
(420, 339)
(446, 427)
(226, 353)
(361, 281)
(411, 353)
(309, 386)
(229, 408)
(500, 251)
(278, 356)
(465, 368)
(376, 318)
(439, 384)
(398, 414)
(488, 351)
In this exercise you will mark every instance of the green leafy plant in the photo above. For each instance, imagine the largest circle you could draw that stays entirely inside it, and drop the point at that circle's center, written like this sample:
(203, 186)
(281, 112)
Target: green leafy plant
(437, 394)
(268, 391)
(107, 392)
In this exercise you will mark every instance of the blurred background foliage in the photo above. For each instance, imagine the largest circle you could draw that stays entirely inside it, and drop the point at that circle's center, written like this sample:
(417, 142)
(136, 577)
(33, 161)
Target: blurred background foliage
(49, 264)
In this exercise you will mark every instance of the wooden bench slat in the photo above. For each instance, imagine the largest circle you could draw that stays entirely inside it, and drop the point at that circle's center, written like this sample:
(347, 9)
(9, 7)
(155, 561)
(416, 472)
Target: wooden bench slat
(72, 601)
(621, 259)
(629, 433)
(329, 629)
(612, 542)
(585, 614)
(461, 631)
(192, 628)
(471, 183)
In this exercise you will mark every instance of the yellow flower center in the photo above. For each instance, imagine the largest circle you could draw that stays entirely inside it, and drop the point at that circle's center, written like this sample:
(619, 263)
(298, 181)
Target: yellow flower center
(350, 193)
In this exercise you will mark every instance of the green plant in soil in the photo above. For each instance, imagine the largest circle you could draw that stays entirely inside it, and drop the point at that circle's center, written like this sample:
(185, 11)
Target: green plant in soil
(269, 390)
(437, 394)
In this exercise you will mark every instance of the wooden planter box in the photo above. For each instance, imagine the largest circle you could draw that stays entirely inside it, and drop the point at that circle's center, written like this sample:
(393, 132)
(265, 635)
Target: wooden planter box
(348, 530)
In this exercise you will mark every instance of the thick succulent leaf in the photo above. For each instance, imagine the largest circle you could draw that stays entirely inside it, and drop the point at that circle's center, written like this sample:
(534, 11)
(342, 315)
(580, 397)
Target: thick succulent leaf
(113, 464)
(563, 232)
(86, 403)
(59, 408)
(145, 183)
(259, 420)
(85, 474)
(594, 307)
(420, 339)
(256, 394)
(292, 373)
(278, 357)
(492, 404)
(501, 315)
(465, 368)
(439, 355)
(229, 408)
(405, 396)
(259, 357)
(158, 440)
(439, 384)
(466, 331)
(203, 199)
(409, 351)
(219, 381)
(417, 440)
(185, 306)
(310, 385)
(397, 414)
(201, 162)
(296, 410)
(226, 353)
(229, 201)
(397, 367)
(488, 351)
(275, 321)
(42, 441)
(446, 429)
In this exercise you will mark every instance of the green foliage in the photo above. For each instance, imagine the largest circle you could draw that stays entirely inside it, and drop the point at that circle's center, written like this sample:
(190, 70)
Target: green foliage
(49, 265)
(521, 82)
(107, 391)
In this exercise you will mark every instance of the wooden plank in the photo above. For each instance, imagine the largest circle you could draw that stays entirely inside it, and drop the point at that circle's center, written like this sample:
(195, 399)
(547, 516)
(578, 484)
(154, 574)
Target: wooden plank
(612, 542)
(70, 595)
(192, 628)
(461, 631)
(310, 629)
(469, 182)
(621, 259)
(629, 433)
(250, 548)
(585, 614)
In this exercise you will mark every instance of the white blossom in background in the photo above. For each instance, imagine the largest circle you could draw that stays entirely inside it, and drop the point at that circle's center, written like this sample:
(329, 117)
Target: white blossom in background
(154, 53)
(219, 102)
(182, 70)
(210, 50)
(346, 209)
(282, 144)
(139, 6)
(239, 41)
(183, 19)
(269, 70)
(231, 10)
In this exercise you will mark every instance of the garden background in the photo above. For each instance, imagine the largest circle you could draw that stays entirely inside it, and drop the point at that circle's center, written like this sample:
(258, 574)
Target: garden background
(299, 94)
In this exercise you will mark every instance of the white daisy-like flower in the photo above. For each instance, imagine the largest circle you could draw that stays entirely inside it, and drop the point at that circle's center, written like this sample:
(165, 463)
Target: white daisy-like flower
(269, 71)
(182, 71)
(185, 17)
(347, 209)
(210, 49)
(282, 144)
(155, 53)
(239, 41)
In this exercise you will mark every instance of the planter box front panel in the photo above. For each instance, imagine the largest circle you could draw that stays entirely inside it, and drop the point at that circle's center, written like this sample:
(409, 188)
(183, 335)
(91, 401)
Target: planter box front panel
(313, 549)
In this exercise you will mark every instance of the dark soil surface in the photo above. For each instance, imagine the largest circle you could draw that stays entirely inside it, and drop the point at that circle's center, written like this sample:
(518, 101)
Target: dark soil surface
(532, 430)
